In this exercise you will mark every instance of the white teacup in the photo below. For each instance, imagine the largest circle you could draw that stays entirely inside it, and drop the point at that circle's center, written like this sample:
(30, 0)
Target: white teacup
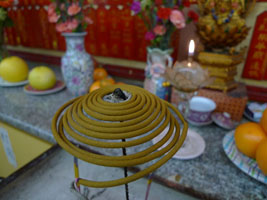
(200, 109)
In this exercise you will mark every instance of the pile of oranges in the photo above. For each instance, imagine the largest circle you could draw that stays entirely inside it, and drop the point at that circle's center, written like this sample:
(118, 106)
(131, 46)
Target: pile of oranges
(251, 140)
(101, 79)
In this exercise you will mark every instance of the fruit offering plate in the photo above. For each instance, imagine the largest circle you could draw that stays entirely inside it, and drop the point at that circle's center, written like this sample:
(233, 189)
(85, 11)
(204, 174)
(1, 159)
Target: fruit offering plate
(4, 83)
(246, 164)
(58, 86)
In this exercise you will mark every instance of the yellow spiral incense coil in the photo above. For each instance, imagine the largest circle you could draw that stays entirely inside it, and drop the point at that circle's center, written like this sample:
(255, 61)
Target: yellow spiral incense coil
(97, 123)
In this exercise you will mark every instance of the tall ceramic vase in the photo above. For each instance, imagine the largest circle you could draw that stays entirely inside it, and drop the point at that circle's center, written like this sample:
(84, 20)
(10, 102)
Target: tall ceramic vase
(77, 65)
(157, 62)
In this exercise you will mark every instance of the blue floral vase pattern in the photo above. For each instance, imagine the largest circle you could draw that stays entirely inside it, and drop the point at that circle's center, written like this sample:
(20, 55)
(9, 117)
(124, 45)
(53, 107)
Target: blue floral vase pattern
(76, 64)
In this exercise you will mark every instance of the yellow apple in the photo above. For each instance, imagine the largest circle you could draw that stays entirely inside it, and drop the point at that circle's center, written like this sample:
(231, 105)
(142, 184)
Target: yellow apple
(14, 69)
(42, 78)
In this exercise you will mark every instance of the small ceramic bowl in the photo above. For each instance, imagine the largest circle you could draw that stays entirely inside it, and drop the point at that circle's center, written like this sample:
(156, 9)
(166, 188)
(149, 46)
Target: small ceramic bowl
(200, 109)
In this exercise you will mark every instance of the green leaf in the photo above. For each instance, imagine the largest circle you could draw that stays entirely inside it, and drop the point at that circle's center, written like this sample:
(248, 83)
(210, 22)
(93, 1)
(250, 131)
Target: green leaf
(188, 21)
(159, 38)
(8, 22)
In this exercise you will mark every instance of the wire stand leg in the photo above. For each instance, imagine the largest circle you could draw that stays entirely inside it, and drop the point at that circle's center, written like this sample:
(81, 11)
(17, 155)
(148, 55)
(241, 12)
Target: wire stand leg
(76, 172)
(125, 173)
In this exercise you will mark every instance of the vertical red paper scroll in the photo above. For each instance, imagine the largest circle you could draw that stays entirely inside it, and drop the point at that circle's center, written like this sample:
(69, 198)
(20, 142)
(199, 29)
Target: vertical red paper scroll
(140, 42)
(102, 31)
(256, 63)
(15, 28)
(91, 37)
(115, 33)
(128, 45)
(20, 23)
(42, 16)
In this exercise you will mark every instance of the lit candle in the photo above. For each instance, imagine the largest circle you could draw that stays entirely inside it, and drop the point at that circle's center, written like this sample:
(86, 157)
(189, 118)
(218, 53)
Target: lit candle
(191, 49)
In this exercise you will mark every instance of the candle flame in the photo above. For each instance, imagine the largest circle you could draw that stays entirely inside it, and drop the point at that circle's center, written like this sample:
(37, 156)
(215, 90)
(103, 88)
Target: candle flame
(191, 47)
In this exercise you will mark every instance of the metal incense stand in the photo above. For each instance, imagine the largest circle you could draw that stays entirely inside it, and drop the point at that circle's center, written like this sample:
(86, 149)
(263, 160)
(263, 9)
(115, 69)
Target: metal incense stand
(105, 115)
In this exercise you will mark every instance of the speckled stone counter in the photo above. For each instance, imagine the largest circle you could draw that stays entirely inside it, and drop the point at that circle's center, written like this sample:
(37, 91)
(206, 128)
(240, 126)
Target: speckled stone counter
(210, 176)
(32, 114)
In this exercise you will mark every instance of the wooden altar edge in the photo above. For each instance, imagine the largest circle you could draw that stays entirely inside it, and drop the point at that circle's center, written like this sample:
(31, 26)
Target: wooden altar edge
(114, 66)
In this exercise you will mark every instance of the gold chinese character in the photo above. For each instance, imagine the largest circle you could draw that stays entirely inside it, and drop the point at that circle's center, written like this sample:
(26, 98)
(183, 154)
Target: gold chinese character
(114, 25)
(262, 37)
(255, 66)
(54, 43)
(92, 48)
(115, 49)
(258, 55)
(253, 73)
(102, 29)
(127, 51)
(126, 24)
(260, 46)
(261, 28)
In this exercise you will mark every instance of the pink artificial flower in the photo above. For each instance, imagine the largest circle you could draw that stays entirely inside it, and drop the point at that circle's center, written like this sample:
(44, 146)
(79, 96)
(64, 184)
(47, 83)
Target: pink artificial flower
(72, 24)
(53, 18)
(159, 30)
(88, 20)
(51, 8)
(149, 35)
(74, 9)
(177, 19)
(62, 27)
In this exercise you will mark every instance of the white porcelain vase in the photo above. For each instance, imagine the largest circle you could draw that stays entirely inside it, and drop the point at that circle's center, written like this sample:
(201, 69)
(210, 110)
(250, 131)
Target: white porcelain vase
(157, 62)
(76, 64)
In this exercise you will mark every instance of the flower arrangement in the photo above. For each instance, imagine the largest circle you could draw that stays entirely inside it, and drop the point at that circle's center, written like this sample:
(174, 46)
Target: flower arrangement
(5, 21)
(162, 18)
(69, 15)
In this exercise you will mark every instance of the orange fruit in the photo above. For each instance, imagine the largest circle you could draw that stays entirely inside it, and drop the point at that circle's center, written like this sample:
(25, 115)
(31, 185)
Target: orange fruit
(247, 138)
(107, 81)
(94, 86)
(263, 121)
(261, 156)
(100, 73)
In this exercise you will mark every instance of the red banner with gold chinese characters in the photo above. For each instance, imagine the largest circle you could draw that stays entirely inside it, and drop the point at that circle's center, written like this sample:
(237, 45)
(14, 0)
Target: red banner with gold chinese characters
(256, 63)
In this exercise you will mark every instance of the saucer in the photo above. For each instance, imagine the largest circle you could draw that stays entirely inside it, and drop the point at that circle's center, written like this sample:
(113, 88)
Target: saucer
(4, 83)
(224, 120)
(58, 86)
(194, 145)
(199, 123)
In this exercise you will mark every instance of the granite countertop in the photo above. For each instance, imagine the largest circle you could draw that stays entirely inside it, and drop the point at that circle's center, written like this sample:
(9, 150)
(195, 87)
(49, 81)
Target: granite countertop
(210, 176)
